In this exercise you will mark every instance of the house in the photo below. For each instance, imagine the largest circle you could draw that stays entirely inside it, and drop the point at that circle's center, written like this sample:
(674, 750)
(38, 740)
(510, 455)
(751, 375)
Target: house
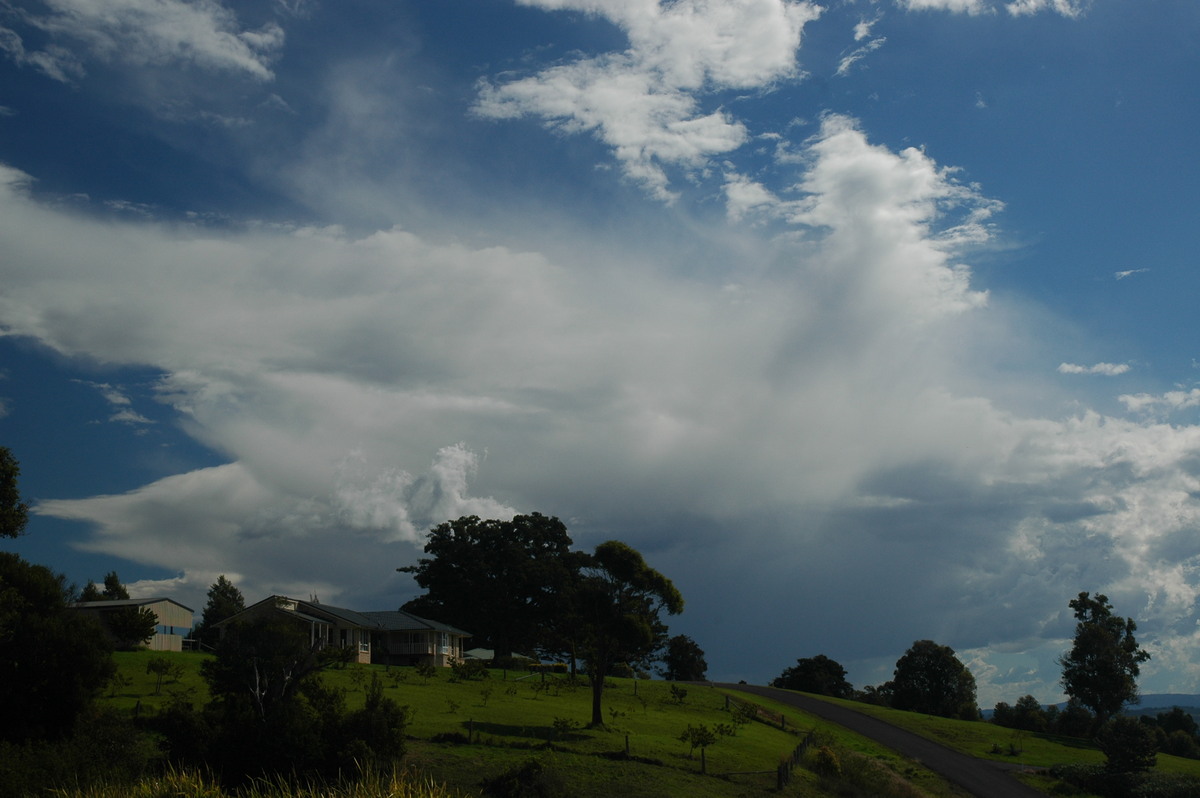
(174, 619)
(382, 638)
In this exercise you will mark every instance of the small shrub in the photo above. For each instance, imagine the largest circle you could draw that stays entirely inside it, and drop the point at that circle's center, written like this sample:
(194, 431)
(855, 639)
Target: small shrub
(563, 727)
(678, 694)
(826, 762)
(697, 737)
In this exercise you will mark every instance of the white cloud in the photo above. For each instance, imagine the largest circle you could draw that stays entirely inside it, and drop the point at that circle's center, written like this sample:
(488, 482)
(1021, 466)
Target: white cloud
(862, 30)
(848, 61)
(643, 103)
(1067, 8)
(1170, 401)
(1105, 369)
(956, 6)
(1121, 275)
(144, 33)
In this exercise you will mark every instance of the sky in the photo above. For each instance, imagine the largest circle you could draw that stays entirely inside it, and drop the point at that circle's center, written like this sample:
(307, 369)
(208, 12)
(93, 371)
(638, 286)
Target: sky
(865, 321)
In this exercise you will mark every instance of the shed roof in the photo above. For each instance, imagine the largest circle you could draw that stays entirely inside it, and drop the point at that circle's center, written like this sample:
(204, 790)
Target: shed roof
(115, 603)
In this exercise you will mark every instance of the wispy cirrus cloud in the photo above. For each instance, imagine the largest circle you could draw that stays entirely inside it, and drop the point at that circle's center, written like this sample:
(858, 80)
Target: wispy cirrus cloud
(139, 33)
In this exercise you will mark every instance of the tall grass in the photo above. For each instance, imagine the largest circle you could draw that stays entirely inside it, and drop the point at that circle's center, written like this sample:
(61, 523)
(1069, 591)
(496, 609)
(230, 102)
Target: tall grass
(193, 784)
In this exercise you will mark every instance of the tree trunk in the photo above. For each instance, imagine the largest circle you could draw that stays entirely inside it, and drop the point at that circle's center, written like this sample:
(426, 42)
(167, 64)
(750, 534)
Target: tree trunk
(597, 694)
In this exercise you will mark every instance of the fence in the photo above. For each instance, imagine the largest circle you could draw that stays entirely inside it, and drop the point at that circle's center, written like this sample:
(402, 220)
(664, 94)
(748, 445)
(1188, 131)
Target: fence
(783, 773)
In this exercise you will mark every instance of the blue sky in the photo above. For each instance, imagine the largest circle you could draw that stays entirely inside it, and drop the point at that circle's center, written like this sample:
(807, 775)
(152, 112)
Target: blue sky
(866, 322)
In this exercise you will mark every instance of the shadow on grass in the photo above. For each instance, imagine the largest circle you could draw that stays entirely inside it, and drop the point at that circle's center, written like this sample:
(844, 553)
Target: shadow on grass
(541, 734)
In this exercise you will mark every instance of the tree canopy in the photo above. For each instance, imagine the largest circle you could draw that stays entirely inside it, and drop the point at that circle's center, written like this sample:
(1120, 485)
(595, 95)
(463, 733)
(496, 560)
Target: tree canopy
(131, 626)
(14, 513)
(1101, 669)
(113, 589)
(819, 674)
(619, 599)
(52, 661)
(224, 601)
(496, 579)
(684, 660)
(929, 678)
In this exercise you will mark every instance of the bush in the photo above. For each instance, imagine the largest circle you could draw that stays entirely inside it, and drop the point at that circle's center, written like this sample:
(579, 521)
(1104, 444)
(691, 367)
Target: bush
(530, 780)
(1129, 745)
(467, 669)
(103, 747)
(826, 762)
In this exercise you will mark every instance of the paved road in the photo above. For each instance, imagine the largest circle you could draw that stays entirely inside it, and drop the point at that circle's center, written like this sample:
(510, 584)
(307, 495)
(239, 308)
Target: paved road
(980, 777)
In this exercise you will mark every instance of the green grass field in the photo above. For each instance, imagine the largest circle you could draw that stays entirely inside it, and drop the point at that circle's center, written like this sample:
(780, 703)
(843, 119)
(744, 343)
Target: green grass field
(461, 733)
(464, 732)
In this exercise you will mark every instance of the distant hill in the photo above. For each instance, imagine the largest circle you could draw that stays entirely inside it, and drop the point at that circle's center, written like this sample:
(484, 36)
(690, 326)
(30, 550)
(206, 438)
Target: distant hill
(1168, 700)
(1151, 704)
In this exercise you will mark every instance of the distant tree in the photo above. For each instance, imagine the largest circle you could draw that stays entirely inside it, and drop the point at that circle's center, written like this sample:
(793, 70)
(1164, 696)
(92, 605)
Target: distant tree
(53, 661)
(1101, 669)
(1074, 720)
(1178, 719)
(14, 513)
(684, 660)
(619, 599)
(131, 627)
(929, 678)
(224, 601)
(113, 589)
(498, 580)
(819, 674)
(1027, 715)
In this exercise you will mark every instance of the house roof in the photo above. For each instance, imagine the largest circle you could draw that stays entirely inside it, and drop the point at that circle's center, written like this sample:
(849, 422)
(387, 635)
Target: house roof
(115, 603)
(379, 621)
(401, 621)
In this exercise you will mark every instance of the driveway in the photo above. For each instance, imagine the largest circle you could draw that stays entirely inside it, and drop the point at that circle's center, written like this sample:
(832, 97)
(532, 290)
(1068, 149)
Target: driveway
(979, 777)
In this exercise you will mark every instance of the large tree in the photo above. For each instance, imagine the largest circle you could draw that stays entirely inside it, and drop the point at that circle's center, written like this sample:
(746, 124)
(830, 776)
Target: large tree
(1101, 669)
(684, 660)
(53, 661)
(14, 513)
(498, 580)
(929, 678)
(224, 601)
(819, 674)
(618, 599)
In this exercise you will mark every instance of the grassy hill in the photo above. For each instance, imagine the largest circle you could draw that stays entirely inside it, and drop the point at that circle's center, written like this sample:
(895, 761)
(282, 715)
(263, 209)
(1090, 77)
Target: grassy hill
(464, 733)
